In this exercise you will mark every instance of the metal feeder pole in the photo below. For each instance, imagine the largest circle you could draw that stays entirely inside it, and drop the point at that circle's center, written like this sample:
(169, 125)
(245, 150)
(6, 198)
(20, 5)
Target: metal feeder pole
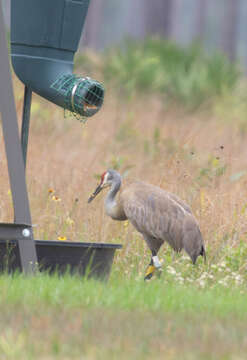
(26, 122)
(22, 224)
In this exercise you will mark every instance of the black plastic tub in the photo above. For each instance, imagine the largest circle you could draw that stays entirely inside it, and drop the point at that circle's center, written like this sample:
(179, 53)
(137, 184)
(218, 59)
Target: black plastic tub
(86, 259)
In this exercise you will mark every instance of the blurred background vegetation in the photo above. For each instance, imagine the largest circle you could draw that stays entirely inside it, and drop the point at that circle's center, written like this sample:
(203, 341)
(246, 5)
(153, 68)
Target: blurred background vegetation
(218, 25)
(161, 68)
(191, 52)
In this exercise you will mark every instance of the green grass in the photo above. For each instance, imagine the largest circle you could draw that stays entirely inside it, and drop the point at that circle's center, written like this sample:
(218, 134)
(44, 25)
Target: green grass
(46, 317)
(121, 294)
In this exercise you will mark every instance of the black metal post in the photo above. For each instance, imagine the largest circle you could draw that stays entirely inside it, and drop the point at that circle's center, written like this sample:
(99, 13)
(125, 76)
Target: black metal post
(14, 157)
(26, 122)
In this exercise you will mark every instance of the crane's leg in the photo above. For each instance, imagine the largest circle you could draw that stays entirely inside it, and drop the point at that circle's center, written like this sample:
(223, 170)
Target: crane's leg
(154, 245)
(154, 266)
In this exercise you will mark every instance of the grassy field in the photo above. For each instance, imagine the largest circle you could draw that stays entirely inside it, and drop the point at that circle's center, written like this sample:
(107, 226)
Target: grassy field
(68, 318)
(192, 146)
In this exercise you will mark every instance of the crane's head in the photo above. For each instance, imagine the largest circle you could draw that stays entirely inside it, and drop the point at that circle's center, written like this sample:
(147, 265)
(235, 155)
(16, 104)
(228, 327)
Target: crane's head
(107, 179)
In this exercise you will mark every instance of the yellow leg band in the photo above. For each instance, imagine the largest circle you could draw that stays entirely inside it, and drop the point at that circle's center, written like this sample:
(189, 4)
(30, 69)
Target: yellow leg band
(150, 270)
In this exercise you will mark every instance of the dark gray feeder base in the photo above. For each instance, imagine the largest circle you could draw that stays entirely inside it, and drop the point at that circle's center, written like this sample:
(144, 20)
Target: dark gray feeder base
(86, 259)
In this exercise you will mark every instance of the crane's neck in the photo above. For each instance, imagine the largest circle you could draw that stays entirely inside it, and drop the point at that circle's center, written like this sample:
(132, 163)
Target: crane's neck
(111, 205)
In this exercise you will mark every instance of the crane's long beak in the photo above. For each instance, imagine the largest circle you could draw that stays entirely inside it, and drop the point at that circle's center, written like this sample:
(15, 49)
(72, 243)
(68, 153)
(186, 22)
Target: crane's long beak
(96, 192)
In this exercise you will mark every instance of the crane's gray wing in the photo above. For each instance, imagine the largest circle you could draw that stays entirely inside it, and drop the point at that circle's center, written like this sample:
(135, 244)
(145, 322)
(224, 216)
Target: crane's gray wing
(154, 213)
(179, 201)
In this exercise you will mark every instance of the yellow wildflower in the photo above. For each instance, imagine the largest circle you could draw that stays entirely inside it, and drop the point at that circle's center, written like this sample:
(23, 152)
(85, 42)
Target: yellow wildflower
(55, 198)
(62, 238)
(69, 221)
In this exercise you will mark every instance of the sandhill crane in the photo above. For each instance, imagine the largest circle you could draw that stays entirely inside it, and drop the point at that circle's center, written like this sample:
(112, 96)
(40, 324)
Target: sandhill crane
(157, 214)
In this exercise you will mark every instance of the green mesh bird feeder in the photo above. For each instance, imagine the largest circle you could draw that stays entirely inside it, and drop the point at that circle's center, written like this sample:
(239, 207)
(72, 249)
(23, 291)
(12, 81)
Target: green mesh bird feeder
(44, 38)
(82, 96)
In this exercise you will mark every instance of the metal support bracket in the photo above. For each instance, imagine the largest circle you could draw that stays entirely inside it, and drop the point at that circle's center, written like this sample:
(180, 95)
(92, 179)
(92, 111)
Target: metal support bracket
(15, 231)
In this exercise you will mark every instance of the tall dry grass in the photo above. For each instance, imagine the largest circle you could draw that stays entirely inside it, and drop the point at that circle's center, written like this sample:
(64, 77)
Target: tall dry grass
(198, 156)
